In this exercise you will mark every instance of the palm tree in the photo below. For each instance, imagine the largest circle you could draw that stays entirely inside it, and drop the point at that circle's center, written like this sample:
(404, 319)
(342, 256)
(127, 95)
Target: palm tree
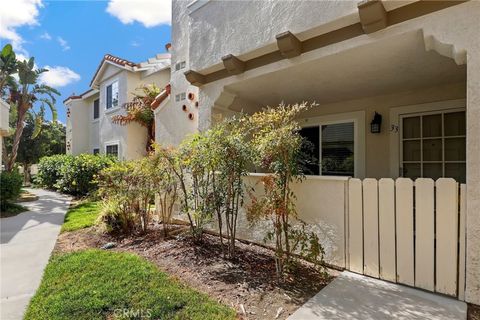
(25, 94)
(140, 110)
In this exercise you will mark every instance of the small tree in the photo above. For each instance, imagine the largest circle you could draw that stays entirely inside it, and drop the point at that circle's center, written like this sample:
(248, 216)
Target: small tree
(139, 110)
(230, 155)
(191, 163)
(49, 140)
(277, 146)
(166, 183)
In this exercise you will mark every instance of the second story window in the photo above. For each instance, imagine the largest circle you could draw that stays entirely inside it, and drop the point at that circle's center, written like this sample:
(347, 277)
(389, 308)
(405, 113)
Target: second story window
(96, 109)
(112, 95)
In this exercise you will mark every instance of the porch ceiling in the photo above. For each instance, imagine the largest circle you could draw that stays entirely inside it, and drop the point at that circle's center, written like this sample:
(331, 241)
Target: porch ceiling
(392, 65)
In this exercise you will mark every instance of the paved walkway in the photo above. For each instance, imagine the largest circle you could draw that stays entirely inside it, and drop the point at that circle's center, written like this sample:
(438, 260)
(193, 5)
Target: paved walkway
(26, 243)
(352, 296)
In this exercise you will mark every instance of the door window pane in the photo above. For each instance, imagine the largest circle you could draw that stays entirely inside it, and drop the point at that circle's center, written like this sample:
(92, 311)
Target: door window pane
(432, 150)
(432, 170)
(412, 170)
(411, 127)
(456, 171)
(434, 145)
(411, 150)
(338, 149)
(432, 125)
(455, 149)
(455, 124)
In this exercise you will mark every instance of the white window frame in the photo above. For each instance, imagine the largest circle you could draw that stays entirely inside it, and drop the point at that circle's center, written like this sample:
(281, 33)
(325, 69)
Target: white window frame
(111, 83)
(113, 143)
(358, 120)
(395, 125)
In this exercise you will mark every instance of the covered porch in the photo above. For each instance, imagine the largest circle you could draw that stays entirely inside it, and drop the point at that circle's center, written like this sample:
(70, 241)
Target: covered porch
(417, 94)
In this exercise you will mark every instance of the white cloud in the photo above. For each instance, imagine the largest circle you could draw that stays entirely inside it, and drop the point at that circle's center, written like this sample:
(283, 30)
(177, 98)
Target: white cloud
(59, 76)
(63, 43)
(16, 14)
(150, 13)
(46, 36)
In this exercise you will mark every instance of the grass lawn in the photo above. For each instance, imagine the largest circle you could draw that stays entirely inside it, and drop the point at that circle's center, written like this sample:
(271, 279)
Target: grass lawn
(81, 216)
(95, 284)
(11, 210)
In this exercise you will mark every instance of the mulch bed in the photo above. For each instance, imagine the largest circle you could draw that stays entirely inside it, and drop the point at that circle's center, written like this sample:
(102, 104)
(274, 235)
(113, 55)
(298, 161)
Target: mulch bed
(473, 312)
(247, 283)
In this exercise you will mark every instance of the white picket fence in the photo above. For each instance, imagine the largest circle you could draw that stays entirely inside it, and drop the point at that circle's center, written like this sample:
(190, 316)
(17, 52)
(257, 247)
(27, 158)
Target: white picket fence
(410, 232)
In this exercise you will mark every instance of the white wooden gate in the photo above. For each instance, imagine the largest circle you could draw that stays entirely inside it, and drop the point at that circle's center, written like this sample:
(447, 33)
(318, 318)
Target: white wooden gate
(409, 232)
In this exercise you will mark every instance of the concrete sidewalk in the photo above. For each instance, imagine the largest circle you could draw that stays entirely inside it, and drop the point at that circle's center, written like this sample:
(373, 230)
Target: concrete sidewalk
(352, 296)
(27, 241)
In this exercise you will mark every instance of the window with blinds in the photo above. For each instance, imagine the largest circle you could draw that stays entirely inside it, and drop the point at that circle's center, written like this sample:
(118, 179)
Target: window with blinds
(334, 145)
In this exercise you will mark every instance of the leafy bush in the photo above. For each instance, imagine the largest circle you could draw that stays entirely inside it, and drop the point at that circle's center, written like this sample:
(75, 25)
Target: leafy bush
(49, 170)
(10, 187)
(129, 188)
(78, 173)
(71, 174)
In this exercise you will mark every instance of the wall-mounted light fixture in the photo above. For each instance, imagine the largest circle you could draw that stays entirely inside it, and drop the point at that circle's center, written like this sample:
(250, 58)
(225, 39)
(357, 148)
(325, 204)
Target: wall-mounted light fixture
(376, 124)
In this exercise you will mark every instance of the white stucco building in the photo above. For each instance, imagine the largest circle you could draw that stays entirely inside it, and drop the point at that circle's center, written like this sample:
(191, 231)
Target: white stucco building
(89, 115)
(414, 63)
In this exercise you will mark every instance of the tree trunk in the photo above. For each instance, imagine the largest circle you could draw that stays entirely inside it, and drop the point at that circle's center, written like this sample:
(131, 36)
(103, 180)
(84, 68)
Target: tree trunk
(16, 140)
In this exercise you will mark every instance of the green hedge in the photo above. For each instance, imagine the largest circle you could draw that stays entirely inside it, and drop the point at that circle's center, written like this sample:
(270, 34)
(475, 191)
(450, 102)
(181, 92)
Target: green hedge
(74, 175)
(49, 170)
(10, 187)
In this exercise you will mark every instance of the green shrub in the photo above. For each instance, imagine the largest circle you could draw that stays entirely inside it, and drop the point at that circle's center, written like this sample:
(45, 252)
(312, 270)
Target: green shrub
(49, 170)
(74, 175)
(10, 187)
(78, 173)
(131, 185)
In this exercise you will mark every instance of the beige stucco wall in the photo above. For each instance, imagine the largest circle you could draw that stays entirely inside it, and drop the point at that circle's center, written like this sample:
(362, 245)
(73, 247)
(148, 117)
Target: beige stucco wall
(171, 122)
(320, 203)
(77, 134)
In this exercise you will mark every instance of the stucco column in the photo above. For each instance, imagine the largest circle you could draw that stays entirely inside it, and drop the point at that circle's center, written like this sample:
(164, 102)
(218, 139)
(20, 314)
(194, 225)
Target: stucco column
(472, 293)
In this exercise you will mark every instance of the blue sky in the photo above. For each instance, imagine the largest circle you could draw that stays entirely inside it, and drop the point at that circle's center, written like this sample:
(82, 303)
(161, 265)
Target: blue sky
(71, 37)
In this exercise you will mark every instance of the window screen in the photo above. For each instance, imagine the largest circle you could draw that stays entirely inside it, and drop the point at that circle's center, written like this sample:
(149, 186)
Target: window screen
(338, 149)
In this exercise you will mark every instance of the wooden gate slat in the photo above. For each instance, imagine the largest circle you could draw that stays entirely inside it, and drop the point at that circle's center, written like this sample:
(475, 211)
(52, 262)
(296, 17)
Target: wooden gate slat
(424, 233)
(446, 235)
(404, 225)
(370, 228)
(462, 252)
(355, 225)
(386, 228)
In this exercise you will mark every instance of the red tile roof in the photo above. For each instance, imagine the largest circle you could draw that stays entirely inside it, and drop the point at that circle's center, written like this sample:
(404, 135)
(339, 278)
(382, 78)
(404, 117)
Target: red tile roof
(116, 60)
(80, 96)
(161, 97)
